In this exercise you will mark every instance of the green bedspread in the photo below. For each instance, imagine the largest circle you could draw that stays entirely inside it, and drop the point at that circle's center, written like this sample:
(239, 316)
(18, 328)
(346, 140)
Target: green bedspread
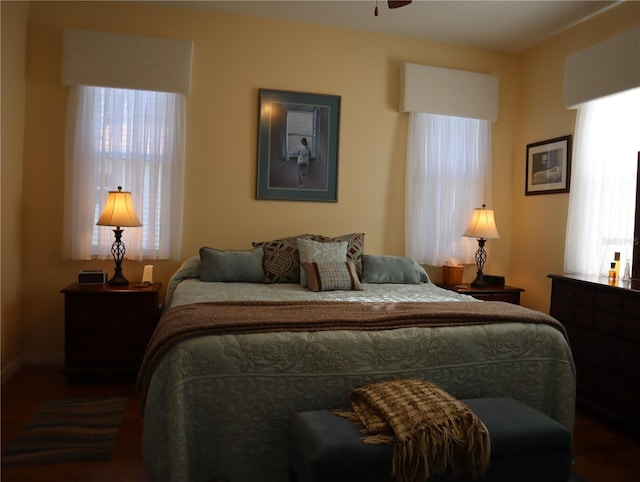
(218, 404)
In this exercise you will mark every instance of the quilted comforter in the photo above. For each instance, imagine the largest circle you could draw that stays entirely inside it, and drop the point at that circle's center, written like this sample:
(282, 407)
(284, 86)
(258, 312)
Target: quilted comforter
(218, 402)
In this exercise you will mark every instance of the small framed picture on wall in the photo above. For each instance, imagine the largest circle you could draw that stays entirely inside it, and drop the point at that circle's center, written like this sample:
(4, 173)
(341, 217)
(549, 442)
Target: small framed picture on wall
(548, 166)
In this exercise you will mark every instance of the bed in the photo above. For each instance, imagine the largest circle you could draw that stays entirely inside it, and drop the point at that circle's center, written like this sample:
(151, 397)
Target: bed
(239, 349)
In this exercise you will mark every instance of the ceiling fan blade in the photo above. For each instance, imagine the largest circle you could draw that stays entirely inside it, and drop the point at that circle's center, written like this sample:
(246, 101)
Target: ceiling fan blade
(398, 3)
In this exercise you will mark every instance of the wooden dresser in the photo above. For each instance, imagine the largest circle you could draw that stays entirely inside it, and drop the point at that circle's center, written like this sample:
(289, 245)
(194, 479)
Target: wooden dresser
(603, 325)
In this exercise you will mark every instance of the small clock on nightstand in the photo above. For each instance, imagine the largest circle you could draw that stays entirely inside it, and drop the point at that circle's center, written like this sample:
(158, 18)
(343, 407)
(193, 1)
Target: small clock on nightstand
(107, 327)
(510, 294)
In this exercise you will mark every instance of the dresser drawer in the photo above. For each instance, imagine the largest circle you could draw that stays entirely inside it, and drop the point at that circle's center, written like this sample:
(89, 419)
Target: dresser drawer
(611, 354)
(597, 388)
(572, 313)
(618, 326)
(618, 304)
(574, 294)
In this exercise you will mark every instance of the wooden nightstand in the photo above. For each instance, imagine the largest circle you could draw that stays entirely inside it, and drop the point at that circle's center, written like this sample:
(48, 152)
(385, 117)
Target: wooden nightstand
(107, 328)
(510, 294)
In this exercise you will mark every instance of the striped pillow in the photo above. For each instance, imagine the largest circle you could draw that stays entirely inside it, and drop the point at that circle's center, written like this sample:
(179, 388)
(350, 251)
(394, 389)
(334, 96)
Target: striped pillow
(332, 275)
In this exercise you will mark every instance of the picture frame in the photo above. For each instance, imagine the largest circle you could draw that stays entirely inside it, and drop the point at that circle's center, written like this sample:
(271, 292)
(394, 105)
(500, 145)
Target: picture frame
(294, 127)
(548, 166)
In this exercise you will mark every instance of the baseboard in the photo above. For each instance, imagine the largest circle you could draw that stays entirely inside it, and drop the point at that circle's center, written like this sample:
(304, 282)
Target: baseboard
(31, 359)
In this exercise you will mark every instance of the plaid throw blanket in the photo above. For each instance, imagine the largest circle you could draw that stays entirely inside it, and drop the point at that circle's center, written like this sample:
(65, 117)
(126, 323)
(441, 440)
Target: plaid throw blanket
(432, 431)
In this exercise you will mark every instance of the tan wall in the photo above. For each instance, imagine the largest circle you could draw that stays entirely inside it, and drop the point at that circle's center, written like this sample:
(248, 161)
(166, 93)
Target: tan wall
(233, 57)
(539, 222)
(14, 38)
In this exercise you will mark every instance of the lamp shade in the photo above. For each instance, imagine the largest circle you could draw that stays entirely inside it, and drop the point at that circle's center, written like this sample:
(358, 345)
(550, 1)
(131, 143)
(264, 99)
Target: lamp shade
(482, 225)
(119, 210)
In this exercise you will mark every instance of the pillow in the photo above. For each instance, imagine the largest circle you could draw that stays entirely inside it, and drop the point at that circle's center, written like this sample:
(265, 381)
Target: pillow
(232, 266)
(332, 275)
(281, 261)
(355, 249)
(190, 268)
(311, 251)
(391, 269)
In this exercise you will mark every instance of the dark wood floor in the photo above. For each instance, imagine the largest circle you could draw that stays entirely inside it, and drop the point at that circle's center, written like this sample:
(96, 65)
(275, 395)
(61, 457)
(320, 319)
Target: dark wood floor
(603, 454)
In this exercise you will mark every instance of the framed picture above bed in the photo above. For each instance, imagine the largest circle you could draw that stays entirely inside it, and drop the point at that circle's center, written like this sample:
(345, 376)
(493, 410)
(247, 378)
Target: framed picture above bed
(298, 146)
(548, 166)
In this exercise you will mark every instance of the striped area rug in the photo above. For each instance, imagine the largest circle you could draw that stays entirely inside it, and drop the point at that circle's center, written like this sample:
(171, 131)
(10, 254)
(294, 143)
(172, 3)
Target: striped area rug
(69, 430)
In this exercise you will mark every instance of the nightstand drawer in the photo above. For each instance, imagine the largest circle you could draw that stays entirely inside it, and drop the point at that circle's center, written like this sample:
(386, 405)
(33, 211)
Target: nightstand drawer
(108, 349)
(509, 294)
(116, 305)
(106, 322)
(506, 297)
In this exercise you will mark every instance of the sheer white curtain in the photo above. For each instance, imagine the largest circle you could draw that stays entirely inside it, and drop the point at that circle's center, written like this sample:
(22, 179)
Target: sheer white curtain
(603, 184)
(129, 138)
(448, 169)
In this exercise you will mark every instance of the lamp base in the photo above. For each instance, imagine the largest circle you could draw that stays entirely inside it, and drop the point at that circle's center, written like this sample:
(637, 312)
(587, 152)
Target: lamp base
(481, 257)
(118, 250)
(118, 279)
(479, 282)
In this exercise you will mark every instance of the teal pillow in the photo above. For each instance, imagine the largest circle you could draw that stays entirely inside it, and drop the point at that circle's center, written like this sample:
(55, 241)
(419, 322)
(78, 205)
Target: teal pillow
(311, 251)
(391, 269)
(231, 266)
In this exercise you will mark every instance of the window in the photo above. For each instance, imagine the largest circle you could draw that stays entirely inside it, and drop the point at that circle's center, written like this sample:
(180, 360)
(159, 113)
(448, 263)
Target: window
(301, 123)
(448, 174)
(603, 184)
(129, 138)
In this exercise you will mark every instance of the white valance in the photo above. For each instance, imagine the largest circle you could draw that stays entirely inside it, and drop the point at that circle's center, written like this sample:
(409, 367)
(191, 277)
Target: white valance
(105, 59)
(456, 93)
(603, 69)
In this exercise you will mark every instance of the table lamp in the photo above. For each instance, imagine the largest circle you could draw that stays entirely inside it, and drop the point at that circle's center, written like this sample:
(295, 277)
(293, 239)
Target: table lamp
(119, 212)
(483, 227)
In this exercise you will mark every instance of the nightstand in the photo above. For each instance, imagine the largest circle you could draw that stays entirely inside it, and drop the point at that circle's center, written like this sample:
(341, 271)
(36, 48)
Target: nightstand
(107, 328)
(510, 294)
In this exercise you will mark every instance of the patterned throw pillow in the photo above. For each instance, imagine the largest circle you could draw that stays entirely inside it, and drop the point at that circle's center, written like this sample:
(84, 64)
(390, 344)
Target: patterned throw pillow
(311, 251)
(355, 250)
(281, 260)
(333, 275)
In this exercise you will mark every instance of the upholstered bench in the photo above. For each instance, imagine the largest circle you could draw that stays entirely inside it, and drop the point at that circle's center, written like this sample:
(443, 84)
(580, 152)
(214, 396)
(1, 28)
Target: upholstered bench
(527, 446)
